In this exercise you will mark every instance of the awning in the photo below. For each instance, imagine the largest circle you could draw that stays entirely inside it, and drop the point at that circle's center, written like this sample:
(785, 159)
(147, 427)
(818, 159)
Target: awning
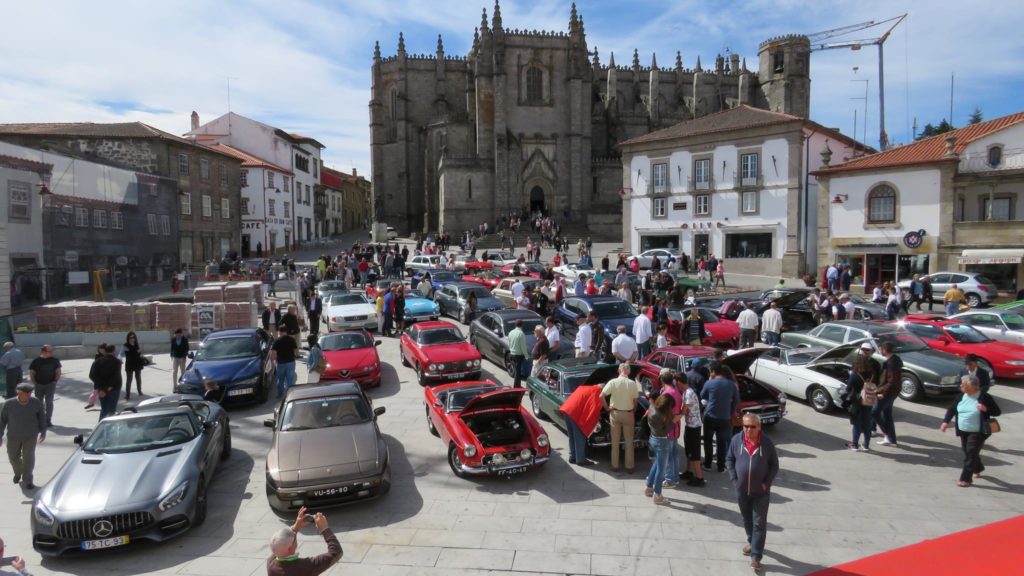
(992, 256)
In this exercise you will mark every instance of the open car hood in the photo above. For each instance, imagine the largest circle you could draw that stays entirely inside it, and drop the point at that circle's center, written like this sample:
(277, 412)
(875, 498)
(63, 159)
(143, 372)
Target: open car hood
(496, 400)
(741, 361)
(836, 354)
(790, 300)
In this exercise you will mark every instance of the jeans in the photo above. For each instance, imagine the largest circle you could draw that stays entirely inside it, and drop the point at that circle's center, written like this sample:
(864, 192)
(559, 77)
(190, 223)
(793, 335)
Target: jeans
(772, 337)
(362, 278)
(881, 414)
(672, 468)
(656, 476)
(754, 510)
(644, 349)
(862, 425)
(285, 377)
(717, 434)
(44, 392)
(577, 441)
(952, 308)
(13, 379)
(517, 369)
(108, 404)
(22, 455)
(971, 443)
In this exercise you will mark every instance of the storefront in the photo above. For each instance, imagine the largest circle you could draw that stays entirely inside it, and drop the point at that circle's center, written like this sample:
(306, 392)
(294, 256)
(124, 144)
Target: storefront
(651, 240)
(873, 262)
(1001, 265)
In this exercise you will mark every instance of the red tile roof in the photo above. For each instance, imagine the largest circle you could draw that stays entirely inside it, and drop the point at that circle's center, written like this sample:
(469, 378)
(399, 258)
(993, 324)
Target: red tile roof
(248, 160)
(927, 150)
(339, 175)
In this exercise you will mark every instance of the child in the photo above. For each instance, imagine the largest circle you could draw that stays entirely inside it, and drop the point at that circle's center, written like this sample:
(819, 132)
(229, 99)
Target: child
(211, 391)
(662, 335)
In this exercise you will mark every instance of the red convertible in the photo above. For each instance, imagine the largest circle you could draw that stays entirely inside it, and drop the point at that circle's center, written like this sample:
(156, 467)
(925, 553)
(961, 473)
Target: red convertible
(1000, 359)
(351, 355)
(718, 331)
(487, 278)
(531, 269)
(486, 429)
(438, 351)
(676, 358)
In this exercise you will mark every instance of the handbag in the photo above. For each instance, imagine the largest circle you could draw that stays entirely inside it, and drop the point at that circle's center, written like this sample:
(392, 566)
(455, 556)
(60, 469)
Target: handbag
(869, 393)
(993, 426)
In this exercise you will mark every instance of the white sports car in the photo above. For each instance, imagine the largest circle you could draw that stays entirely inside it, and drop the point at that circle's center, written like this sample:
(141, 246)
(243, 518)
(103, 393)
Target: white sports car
(817, 375)
(574, 269)
(345, 311)
(646, 258)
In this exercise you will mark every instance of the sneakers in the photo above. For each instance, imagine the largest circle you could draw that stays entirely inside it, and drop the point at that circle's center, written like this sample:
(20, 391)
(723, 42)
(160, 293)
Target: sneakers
(648, 491)
(884, 442)
(746, 550)
(686, 475)
(696, 482)
(852, 447)
(756, 565)
(865, 449)
(659, 499)
(668, 484)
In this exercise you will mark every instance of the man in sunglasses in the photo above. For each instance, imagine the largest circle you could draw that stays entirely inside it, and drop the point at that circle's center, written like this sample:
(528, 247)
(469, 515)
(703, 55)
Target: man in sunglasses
(753, 463)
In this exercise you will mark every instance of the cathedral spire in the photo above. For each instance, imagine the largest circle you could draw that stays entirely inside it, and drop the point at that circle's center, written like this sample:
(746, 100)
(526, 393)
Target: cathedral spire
(376, 51)
(679, 61)
(611, 62)
(654, 61)
(597, 59)
(440, 45)
(573, 18)
(483, 22)
(476, 38)
(698, 68)
(636, 58)
(401, 42)
(745, 66)
(496, 20)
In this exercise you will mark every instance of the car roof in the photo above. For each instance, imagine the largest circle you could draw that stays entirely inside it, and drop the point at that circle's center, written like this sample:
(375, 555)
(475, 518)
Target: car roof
(577, 363)
(307, 391)
(687, 350)
(131, 413)
(863, 325)
(428, 325)
(231, 332)
(517, 314)
(597, 299)
(463, 284)
(524, 279)
(928, 319)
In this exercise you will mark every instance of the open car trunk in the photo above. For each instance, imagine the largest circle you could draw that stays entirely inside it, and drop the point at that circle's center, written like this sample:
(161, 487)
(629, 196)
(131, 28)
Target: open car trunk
(497, 427)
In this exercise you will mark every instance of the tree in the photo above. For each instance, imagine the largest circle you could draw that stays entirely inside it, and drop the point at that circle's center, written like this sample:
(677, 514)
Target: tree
(976, 116)
(930, 130)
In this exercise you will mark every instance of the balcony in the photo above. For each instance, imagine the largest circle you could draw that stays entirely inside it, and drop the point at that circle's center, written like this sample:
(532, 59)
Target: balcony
(706, 185)
(755, 181)
(663, 188)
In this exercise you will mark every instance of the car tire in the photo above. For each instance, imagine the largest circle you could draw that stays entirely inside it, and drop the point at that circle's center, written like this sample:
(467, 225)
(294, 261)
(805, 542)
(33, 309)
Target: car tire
(225, 451)
(455, 461)
(430, 423)
(201, 503)
(462, 316)
(385, 486)
(404, 361)
(819, 399)
(509, 369)
(973, 300)
(421, 377)
(472, 339)
(646, 384)
(910, 387)
(535, 408)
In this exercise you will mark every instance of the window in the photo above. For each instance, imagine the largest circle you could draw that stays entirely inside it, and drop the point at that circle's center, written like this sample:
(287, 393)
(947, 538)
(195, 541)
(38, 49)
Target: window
(660, 178)
(204, 169)
(287, 183)
(832, 333)
(82, 217)
(165, 224)
(749, 202)
(778, 61)
(756, 245)
(186, 204)
(185, 249)
(183, 165)
(1002, 208)
(748, 169)
(287, 209)
(659, 207)
(207, 206)
(702, 173)
(225, 208)
(243, 178)
(301, 162)
(151, 220)
(270, 179)
(307, 194)
(65, 215)
(703, 205)
(315, 173)
(245, 206)
(18, 201)
(99, 218)
(271, 207)
(534, 85)
(116, 221)
(882, 205)
(995, 156)
(223, 174)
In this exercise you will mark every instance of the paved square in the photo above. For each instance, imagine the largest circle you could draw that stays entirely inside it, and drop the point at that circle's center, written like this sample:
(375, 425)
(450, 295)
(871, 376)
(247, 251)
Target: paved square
(829, 505)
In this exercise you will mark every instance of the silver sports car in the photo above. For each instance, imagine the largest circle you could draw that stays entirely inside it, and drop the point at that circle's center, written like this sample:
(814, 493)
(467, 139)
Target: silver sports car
(140, 475)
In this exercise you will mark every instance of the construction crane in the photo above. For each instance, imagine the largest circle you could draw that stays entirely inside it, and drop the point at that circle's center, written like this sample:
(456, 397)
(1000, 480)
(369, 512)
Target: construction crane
(817, 43)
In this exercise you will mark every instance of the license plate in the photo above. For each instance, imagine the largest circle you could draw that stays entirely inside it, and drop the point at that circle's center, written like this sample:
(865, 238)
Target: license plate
(327, 492)
(455, 374)
(239, 391)
(105, 543)
(770, 420)
(513, 471)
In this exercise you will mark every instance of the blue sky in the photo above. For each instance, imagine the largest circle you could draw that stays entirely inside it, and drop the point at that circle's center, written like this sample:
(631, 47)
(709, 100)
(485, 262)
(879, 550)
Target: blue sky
(304, 65)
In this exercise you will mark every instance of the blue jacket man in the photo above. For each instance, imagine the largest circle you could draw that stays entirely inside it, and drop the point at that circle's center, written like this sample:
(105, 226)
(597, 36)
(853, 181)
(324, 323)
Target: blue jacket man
(721, 399)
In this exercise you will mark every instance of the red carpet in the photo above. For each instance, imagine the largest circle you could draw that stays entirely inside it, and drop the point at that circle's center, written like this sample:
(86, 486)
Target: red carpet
(992, 549)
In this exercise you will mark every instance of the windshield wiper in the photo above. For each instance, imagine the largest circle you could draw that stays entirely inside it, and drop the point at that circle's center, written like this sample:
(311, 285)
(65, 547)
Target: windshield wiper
(293, 428)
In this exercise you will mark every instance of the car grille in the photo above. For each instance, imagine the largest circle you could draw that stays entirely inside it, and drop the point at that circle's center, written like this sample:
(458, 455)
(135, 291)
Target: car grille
(120, 523)
(510, 458)
(764, 410)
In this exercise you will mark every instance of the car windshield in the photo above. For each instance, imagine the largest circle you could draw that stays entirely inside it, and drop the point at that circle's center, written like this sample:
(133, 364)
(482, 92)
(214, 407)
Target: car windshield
(227, 348)
(143, 433)
(444, 276)
(324, 413)
(965, 334)
(799, 358)
(580, 267)
(707, 314)
(457, 399)
(347, 299)
(413, 294)
(616, 309)
(332, 287)
(528, 325)
(345, 341)
(903, 341)
(480, 292)
(1013, 321)
(436, 336)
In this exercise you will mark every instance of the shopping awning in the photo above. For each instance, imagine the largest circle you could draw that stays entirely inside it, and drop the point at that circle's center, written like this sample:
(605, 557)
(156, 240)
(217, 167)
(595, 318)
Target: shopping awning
(992, 256)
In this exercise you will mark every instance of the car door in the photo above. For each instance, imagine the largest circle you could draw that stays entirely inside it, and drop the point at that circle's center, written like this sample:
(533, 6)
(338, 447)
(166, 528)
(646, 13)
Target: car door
(566, 315)
(771, 368)
(445, 300)
(832, 334)
(487, 340)
(549, 392)
(940, 283)
(406, 342)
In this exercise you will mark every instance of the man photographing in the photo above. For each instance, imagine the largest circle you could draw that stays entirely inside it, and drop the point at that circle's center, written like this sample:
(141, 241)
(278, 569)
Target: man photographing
(285, 562)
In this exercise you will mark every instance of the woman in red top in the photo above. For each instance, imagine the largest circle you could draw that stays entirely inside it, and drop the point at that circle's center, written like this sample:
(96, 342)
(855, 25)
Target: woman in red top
(581, 411)
(591, 287)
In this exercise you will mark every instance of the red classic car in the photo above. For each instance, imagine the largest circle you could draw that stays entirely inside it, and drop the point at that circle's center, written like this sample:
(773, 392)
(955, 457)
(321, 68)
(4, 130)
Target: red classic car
(1001, 359)
(531, 269)
(718, 331)
(351, 355)
(438, 351)
(488, 278)
(676, 358)
(486, 429)
(474, 265)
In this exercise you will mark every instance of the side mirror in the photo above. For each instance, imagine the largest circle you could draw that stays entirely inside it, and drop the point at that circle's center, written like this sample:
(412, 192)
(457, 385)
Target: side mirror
(209, 425)
(270, 422)
(376, 342)
(380, 410)
(78, 439)
(945, 340)
(191, 355)
(437, 404)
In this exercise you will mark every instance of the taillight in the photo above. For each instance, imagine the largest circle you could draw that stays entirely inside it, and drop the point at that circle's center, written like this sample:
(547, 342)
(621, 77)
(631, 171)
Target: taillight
(983, 288)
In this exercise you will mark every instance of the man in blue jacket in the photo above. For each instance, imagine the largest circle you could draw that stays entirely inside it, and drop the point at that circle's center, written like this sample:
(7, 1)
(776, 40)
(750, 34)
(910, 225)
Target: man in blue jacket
(720, 398)
(753, 464)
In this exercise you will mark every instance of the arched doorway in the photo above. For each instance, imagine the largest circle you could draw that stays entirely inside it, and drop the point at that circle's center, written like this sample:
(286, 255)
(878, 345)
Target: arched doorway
(537, 200)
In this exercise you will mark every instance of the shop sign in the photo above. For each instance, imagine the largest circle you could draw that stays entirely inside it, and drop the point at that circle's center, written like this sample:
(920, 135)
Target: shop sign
(914, 239)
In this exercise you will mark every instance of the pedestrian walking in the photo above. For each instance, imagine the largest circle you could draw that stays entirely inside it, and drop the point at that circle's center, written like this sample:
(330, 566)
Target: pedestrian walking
(771, 324)
(720, 274)
(517, 353)
(753, 464)
(974, 411)
(660, 421)
(888, 391)
(12, 361)
(23, 418)
(314, 311)
(282, 355)
(316, 364)
(668, 386)
(970, 369)
(105, 375)
(133, 364)
(619, 397)
(694, 474)
(721, 399)
(284, 547)
(861, 396)
(929, 295)
(271, 318)
(179, 355)
(748, 323)
(952, 300)
(389, 307)
(44, 372)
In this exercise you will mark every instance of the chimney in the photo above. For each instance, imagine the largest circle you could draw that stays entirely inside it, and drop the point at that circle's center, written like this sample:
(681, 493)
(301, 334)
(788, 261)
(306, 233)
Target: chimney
(950, 146)
(354, 173)
(195, 121)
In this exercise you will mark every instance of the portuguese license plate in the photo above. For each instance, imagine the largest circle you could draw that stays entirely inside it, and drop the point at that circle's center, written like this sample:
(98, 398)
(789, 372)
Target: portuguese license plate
(455, 374)
(769, 419)
(104, 543)
(239, 391)
(328, 492)
(513, 471)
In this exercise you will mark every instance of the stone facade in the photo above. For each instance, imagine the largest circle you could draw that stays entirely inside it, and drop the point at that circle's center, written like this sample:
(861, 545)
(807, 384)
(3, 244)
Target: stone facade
(527, 120)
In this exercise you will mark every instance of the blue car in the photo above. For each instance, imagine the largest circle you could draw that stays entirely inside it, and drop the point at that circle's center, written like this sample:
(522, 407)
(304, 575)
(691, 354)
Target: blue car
(438, 278)
(611, 311)
(238, 360)
(418, 307)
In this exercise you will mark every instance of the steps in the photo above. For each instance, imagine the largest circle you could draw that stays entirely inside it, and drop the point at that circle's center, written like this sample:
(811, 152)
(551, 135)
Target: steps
(572, 232)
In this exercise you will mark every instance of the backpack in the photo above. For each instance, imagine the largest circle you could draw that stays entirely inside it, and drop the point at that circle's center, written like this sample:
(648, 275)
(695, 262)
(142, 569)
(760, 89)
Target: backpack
(321, 364)
(869, 394)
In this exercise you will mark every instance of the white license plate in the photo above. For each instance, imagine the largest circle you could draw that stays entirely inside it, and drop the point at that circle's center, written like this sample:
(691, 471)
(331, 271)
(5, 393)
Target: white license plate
(239, 391)
(105, 543)
(329, 492)
(455, 374)
(513, 471)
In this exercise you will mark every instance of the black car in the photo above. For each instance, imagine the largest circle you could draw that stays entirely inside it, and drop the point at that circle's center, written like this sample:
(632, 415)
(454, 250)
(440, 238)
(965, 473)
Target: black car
(489, 333)
(796, 314)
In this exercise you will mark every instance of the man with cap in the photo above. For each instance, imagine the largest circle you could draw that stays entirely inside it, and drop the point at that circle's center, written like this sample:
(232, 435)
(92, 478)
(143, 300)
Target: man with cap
(12, 361)
(970, 369)
(24, 420)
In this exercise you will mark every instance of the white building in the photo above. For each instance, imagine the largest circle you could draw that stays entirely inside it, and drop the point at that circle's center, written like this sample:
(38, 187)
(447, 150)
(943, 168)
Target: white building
(299, 154)
(952, 202)
(733, 184)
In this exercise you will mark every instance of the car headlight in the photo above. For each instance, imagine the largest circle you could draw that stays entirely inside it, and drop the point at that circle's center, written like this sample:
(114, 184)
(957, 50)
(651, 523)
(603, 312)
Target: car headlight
(1015, 362)
(497, 459)
(432, 367)
(476, 363)
(248, 381)
(707, 332)
(440, 366)
(174, 497)
(43, 514)
(782, 397)
(948, 380)
(597, 428)
(334, 319)
(525, 453)
(542, 440)
(367, 368)
(469, 451)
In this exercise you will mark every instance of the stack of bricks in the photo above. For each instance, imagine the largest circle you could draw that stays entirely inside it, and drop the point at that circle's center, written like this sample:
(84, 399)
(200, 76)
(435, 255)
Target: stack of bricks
(239, 315)
(143, 315)
(209, 293)
(120, 317)
(90, 317)
(172, 316)
(55, 317)
(244, 292)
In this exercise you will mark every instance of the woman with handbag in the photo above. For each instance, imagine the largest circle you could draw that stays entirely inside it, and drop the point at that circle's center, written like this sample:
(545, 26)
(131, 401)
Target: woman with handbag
(861, 396)
(975, 413)
(133, 364)
(316, 364)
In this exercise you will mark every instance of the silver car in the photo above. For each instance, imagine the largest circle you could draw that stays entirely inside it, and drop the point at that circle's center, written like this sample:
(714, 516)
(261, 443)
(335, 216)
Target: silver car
(978, 289)
(646, 258)
(140, 475)
(1002, 325)
(327, 448)
(452, 299)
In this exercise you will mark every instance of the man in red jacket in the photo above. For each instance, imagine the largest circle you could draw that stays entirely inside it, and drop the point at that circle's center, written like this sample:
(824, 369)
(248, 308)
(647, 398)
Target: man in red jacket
(581, 411)
(285, 562)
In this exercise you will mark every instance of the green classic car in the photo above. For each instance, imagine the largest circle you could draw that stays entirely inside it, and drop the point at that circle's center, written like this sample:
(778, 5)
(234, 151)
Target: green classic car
(1016, 306)
(555, 382)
